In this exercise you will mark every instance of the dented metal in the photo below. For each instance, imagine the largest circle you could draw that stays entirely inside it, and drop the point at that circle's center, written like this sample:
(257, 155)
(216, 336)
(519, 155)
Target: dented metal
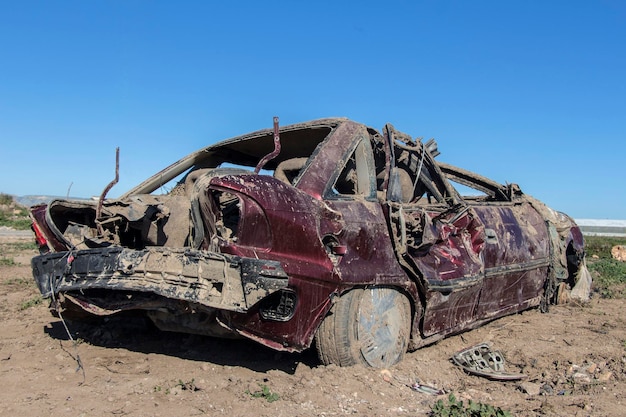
(214, 280)
(260, 235)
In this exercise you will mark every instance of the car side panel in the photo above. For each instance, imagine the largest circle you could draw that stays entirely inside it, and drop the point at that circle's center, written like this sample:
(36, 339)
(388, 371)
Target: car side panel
(516, 254)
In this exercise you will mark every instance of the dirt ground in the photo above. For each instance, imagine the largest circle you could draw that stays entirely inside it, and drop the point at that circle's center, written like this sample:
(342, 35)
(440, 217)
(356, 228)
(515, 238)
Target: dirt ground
(574, 358)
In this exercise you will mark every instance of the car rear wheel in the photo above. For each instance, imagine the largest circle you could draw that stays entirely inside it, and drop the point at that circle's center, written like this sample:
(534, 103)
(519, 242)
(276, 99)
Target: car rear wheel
(366, 326)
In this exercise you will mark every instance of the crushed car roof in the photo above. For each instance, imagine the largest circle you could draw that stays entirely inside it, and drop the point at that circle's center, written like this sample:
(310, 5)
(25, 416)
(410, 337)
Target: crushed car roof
(248, 148)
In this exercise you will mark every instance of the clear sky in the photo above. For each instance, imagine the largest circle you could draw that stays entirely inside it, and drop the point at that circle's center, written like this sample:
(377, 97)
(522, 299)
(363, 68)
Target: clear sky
(532, 92)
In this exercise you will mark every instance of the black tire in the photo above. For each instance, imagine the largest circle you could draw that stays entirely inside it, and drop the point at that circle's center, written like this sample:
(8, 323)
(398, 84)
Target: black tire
(366, 326)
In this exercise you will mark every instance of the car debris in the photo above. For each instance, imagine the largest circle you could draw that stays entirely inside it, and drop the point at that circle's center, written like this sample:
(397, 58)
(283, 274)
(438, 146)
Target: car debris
(326, 233)
(426, 389)
(417, 386)
(482, 360)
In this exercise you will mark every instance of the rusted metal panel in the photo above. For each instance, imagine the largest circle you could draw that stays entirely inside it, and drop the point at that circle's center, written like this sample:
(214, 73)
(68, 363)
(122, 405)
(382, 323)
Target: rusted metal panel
(213, 280)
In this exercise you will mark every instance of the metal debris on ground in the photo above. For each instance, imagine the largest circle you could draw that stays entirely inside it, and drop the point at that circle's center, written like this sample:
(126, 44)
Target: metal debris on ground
(416, 386)
(481, 360)
(426, 389)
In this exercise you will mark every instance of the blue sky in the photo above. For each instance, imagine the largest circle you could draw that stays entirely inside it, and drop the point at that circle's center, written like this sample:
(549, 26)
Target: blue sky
(532, 92)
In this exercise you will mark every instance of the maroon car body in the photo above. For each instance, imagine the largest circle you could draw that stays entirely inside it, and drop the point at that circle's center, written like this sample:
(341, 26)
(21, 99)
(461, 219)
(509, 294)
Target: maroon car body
(351, 238)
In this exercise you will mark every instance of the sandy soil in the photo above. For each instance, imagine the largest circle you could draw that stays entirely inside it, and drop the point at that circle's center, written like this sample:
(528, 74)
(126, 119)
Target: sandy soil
(574, 357)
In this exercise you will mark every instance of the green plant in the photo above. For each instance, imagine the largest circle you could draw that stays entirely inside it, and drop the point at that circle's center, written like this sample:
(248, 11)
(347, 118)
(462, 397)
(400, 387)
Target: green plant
(610, 271)
(18, 282)
(12, 214)
(601, 245)
(456, 408)
(264, 392)
(179, 386)
(31, 303)
(5, 199)
(187, 386)
(18, 224)
(608, 274)
(7, 262)
(18, 246)
(19, 221)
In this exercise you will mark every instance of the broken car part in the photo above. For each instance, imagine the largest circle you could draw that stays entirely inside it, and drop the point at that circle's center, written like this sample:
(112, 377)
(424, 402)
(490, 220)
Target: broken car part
(482, 360)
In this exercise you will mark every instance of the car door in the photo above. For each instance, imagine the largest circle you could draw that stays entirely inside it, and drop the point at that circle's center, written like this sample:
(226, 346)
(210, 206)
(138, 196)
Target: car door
(517, 248)
(352, 224)
(437, 237)
(354, 228)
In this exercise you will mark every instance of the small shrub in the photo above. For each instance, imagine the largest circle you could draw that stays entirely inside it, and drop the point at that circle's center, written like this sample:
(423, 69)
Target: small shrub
(7, 262)
(18, 224)
(12, 214)
(456, 408)
(6, 199)
(601, 245)
(264, 392)
(15, 223)
(608, 274)
(31, 303)
(177, 387)
(610, 271)
(187, 386)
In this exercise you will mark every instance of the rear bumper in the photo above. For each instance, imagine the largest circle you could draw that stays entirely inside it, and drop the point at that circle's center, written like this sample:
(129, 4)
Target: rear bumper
(214, 280)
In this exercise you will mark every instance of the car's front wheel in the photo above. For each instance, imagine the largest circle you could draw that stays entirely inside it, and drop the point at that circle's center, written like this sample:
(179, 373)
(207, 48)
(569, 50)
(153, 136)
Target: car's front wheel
(369, 326)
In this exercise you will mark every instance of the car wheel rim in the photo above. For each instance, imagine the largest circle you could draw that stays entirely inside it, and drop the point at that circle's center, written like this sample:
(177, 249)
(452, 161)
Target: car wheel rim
(382, 326)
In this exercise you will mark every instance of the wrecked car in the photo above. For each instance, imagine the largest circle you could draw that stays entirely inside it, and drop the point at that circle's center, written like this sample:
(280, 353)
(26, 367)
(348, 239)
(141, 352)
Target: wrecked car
(327, 233)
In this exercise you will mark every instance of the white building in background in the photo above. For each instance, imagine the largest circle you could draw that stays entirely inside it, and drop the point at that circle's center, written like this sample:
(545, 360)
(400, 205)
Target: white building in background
(597, 227)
